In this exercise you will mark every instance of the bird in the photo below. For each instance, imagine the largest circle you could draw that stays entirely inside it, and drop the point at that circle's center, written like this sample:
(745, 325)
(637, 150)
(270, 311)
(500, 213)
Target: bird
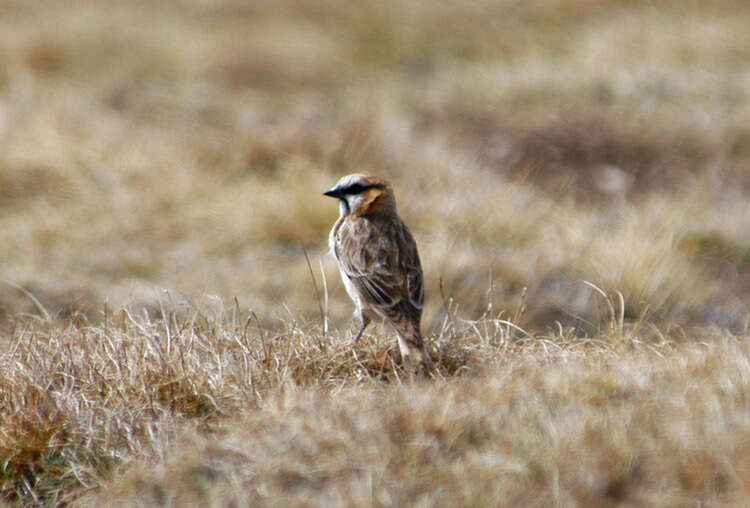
(379, 262)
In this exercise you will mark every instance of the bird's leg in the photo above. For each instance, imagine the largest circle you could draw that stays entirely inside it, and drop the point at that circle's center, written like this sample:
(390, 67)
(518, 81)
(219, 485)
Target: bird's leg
(365, 322)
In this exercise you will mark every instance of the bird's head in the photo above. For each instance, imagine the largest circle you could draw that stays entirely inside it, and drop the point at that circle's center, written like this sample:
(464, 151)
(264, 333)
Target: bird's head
(363, 195)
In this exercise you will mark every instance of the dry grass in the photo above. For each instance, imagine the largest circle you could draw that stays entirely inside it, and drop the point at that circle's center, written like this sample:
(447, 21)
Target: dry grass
(582, 430)
(161, 166)
(201, 406)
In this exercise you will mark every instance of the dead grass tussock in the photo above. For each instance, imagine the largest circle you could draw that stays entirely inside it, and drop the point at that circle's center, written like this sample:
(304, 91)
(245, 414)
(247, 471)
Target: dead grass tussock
(80, 398)
(283, 413)
(541, 421)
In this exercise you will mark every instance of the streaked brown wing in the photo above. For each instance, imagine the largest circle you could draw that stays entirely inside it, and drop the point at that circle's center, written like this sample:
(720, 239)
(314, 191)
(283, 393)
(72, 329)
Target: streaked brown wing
(380, 258)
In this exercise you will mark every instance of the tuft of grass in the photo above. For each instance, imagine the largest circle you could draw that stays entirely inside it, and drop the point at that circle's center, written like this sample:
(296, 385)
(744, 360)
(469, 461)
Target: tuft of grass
(234, 411)
(538, 420)
(86, 400)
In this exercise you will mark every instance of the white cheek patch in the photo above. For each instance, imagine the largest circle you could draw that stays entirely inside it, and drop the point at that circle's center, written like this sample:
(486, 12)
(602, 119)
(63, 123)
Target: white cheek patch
(343, 208)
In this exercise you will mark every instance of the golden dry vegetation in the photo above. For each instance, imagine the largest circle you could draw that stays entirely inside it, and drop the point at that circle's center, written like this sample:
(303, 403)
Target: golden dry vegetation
(576, 174)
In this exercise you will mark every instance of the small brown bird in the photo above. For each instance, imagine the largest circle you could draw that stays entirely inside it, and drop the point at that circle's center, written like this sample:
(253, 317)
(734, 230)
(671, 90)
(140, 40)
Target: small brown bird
(378, 260)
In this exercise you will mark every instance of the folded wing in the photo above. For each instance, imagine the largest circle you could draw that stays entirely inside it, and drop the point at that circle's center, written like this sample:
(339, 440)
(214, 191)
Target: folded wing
(381, 260)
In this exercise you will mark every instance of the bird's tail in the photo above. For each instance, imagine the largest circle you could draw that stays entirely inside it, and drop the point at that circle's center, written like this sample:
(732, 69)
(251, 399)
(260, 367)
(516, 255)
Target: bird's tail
(414, 352)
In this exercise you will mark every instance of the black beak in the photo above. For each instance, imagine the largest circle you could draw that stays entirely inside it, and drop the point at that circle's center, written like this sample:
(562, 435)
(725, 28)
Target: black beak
(334, 193)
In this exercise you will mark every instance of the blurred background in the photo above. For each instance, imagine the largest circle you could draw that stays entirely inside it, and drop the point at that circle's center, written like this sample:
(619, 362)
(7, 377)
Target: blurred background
(177, 151)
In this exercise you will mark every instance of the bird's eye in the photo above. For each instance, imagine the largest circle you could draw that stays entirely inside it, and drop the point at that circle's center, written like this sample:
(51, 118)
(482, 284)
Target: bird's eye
(357, 188)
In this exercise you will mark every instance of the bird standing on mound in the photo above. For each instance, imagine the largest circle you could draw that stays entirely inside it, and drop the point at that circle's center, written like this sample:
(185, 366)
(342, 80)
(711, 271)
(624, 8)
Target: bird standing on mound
(378, 260)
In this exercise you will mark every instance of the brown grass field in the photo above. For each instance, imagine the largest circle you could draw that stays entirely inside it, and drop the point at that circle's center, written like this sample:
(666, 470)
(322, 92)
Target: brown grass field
(577, 177)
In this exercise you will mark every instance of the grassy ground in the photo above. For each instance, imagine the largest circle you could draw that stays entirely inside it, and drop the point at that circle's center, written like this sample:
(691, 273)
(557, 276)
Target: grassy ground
(575, 174)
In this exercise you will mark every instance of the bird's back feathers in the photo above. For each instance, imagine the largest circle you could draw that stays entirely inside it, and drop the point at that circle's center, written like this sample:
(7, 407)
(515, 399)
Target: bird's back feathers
(379, 256)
